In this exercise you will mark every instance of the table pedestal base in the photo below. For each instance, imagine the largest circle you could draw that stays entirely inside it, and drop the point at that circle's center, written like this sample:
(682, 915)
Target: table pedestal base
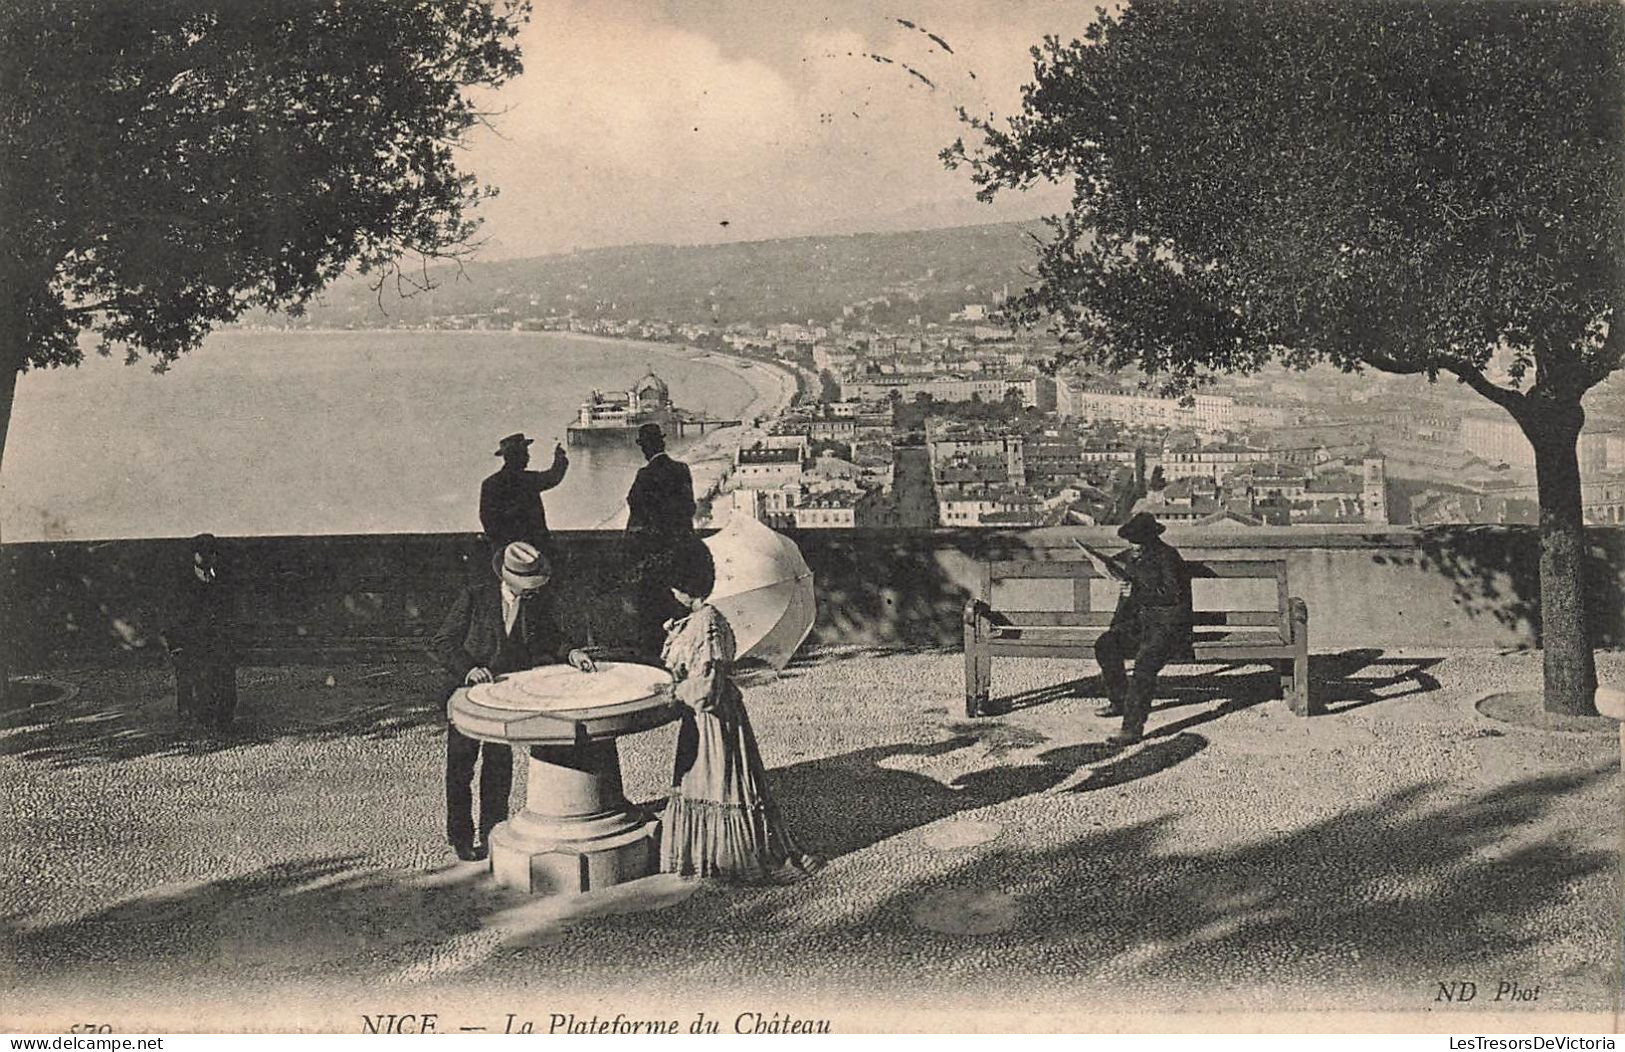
(577, 832)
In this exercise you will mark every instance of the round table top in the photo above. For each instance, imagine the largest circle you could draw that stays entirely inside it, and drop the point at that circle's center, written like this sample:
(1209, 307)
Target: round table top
(556, 688)
(559, 705)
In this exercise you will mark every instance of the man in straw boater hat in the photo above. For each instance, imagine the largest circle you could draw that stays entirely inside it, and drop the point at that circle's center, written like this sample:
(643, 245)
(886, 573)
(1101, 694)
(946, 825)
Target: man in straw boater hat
(505, 625)
(511, 498)
(1151, 625)
(659, 522)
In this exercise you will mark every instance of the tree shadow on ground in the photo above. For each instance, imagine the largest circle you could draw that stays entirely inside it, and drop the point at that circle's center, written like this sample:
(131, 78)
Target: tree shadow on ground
(1388, 896)
(317, 918)
(1413, 886)
(124, 714)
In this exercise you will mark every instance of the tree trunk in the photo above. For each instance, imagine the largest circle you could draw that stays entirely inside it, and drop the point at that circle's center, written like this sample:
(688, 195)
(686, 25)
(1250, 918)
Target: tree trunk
(1570, 667)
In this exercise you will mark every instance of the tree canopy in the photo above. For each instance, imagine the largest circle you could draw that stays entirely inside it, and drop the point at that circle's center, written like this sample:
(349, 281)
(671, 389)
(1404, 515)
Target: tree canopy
(1404, 186)
(166, 165)
(1415, 187)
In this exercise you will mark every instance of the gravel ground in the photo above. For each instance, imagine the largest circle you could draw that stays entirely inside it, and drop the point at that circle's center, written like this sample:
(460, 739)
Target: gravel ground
(290, 874)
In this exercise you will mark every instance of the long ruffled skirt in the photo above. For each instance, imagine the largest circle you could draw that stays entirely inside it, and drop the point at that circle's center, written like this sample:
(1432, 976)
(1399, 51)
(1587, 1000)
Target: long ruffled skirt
(721, 820)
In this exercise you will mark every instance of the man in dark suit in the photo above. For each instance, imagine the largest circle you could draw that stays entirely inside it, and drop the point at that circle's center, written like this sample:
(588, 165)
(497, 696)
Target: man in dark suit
(504, 626)
(200, 640)
(1152, 623)
(511, 498)
(660, 519)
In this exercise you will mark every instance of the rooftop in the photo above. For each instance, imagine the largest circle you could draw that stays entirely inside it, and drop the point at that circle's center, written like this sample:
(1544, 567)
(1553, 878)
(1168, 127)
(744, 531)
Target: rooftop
(1240, 860)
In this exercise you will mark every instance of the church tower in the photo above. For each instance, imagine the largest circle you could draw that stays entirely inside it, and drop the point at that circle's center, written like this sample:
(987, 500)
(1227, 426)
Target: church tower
(1374, 492)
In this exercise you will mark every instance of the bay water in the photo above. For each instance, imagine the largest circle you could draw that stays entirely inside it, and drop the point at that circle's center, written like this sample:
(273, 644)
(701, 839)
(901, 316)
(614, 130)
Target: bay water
(260, 433)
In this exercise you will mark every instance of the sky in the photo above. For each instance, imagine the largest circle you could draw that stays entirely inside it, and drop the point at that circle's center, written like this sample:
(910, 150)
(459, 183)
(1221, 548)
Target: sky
(659, 121)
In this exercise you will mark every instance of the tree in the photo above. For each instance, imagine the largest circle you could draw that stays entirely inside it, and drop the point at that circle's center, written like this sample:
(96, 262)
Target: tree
(829, 386)
(167, 165)
(1405, 187)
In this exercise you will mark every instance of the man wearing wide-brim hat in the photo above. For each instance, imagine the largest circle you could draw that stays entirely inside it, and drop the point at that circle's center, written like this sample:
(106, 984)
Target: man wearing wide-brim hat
(1151, 625)
(504, 625)
(511, 498)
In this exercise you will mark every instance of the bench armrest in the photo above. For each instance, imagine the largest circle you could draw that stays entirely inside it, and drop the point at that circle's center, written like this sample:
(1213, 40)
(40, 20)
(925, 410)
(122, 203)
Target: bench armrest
(1298, 616)
(976, 610)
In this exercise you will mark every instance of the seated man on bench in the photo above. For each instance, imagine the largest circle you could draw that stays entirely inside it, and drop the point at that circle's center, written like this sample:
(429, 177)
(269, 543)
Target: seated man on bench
(1152, 622)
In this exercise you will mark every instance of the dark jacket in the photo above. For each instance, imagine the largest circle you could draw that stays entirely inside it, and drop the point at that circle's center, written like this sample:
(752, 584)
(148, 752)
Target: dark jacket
(511, 504)
(660, 504)
(201, 619)
(473, 635)
(1159, 589)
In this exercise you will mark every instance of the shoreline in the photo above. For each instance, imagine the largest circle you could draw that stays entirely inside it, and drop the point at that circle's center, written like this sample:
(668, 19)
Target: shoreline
(774, 386)
(710, 457)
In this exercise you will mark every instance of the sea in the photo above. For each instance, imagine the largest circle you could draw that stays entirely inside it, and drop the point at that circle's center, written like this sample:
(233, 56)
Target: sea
(288, 432)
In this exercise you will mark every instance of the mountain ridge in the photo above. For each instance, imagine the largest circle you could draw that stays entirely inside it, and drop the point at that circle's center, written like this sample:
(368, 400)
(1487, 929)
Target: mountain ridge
(882, 276)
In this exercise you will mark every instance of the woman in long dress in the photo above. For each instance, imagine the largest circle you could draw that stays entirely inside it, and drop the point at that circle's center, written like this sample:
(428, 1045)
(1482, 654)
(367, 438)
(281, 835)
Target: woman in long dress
(721, 820)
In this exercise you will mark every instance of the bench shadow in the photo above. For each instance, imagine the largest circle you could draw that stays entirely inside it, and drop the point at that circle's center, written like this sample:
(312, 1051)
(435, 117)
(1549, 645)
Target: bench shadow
(1341, 682)
(1231, 681)
(1344, 682)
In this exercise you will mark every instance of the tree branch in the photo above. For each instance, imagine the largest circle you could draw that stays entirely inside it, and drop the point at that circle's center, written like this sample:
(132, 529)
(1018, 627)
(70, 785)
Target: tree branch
(1394, 365)
(1505, 397)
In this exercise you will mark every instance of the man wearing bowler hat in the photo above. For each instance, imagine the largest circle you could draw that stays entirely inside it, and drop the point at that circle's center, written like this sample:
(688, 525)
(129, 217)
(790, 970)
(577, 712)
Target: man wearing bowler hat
(660, 518)
(1151, 625)
(511, 499)
(505, 625)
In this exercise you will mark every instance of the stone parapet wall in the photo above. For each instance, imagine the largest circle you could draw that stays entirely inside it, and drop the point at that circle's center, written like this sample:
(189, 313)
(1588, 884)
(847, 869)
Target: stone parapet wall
(316, 598)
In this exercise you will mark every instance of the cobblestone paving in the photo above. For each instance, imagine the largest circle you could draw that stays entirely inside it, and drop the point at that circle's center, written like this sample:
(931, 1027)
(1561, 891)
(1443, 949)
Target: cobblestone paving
(290, 873)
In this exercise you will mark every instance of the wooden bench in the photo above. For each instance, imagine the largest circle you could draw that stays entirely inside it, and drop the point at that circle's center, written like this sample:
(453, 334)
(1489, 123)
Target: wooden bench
(1057, 608)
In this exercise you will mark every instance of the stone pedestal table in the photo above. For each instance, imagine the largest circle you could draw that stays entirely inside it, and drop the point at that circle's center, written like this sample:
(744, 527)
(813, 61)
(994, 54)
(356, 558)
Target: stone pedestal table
(577, 831)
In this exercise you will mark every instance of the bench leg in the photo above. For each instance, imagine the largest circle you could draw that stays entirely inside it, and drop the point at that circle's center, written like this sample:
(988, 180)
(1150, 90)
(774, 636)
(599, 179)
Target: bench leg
(1298, 698)
(1296, 686)
(978, 679)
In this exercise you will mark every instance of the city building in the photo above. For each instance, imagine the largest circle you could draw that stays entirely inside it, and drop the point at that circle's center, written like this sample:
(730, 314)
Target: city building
(1212, 462)
(1091, 399)
(976, 505)
(766, 467)
(1033, 389)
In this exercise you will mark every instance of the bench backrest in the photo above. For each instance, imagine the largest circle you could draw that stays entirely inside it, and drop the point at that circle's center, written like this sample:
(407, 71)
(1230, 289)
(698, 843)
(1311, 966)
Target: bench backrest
(1234, 594)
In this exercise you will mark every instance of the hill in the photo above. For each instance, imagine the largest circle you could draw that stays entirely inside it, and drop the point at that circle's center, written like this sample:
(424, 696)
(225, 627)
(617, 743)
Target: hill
(885, 277)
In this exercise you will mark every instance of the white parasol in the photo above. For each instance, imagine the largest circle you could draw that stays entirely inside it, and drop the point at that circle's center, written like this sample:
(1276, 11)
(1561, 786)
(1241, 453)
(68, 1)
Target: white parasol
(765, 590)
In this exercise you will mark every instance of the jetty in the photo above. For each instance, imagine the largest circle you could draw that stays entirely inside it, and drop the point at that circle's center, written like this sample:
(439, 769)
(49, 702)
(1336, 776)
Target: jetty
(617, 415)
